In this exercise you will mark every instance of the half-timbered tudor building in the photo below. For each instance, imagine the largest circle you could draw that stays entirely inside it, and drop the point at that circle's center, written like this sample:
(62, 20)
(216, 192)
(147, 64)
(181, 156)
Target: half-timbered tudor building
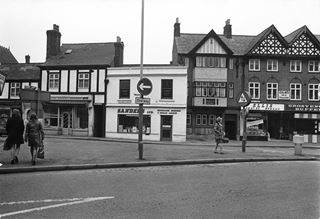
(75, 74)
(281, 73)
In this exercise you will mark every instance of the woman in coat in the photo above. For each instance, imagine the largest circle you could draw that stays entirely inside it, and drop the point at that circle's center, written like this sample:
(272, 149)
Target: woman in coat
(219, 134)
(15, 129)
(34, 136)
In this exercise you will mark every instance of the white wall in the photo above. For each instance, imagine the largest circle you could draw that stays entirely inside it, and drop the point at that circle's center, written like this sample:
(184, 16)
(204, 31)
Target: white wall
(94, 81)
(102, 76)
(44, 78)
(73, 81)
(64, 80)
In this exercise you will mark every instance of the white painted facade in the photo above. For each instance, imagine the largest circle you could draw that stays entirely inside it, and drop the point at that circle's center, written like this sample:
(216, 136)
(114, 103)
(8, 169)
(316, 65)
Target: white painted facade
(118, 109)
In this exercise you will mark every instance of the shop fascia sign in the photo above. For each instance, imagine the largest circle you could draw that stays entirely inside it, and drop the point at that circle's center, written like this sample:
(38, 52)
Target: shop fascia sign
(266, 107)
(132, 111)
(303, 107)
(69, 97)
(284, 95)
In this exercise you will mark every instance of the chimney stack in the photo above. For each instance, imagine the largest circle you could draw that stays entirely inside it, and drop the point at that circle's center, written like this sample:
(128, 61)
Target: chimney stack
(177, 28)
(118, 39)
(27, 59)
(53, 41)
(227, 30)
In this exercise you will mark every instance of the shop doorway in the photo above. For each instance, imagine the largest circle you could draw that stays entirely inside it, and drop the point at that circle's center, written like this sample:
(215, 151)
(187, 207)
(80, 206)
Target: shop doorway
(99, 120)
(230, 126)
(166, 128)
(66, 123)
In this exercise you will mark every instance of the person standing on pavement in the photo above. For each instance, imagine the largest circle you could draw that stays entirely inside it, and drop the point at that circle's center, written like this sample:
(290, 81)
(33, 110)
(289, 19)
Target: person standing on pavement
(15, 130)
(34, 136)
(219, 134)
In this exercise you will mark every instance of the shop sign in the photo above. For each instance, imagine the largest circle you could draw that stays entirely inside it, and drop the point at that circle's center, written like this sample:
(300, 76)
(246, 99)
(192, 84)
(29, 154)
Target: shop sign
(284, 95)
(266, 107)
(132, 111)
(303, 107)
(255, 122)
(69, 97)
(168, 111)
(140, 100)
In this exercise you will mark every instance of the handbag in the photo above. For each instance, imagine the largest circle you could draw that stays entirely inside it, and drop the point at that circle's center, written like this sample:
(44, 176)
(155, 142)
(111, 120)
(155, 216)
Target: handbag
(40, 153)
(6, 146)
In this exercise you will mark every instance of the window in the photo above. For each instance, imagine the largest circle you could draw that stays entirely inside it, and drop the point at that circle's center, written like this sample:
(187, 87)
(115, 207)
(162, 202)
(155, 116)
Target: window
(124, 91)
(254, 90)
(231, 90)
(14, 89)
(211, 119)
(83, 80)
(54, 80)
(295, 91)
(272, 91)
(254, 65)
(272, 65)
(210, 89)
(314, 66)
(188, 119)
(130, 124)
(166, 88)
(230, 63)
(211, 62)
(186, 61)
(198, 119)
(313, 92)
(295, 66)
(204, 119)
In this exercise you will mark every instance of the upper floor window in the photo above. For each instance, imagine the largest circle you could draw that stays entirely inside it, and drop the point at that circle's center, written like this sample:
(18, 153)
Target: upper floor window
(124, 89)
(211, 62)
(231, 90)
(272, 65)
(15, 89)
(198, 119)
(314, 66)
(83, 80)
(210, 89)
(313, 92)
(254, 65)
(254, 90)
(54, 79)
(295, 66)
(231, 63)
(295, 91)
(166, 89)
(272, 91)
(188, 119)
(211, 119)
(186, 61)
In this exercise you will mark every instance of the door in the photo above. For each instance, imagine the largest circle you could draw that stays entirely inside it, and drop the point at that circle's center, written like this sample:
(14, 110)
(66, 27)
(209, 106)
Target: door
(99, 120)
(66, 123)
(166, 128)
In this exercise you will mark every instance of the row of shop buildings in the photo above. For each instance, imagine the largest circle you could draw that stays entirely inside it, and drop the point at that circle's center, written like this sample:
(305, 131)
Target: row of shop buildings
(93, 93)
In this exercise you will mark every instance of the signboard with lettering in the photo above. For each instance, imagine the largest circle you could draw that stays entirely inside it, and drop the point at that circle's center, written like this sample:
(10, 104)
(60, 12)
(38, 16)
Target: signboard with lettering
(266, 107)
(303, 107)
(284, 95)
(140, 100)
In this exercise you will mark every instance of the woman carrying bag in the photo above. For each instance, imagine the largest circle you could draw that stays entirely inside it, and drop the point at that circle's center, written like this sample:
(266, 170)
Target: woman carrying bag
(34, 136)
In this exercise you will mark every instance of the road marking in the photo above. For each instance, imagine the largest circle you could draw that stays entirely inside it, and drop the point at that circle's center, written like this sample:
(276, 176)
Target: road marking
(74, 201)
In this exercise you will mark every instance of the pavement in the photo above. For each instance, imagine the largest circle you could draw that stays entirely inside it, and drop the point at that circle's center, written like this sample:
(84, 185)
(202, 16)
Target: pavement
(74, 153)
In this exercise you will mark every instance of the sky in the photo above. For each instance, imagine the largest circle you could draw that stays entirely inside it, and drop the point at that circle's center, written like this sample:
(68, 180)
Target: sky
(23, 23)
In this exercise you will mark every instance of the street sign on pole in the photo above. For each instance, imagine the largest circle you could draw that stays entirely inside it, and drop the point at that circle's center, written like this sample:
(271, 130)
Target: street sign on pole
(243, 98)
(144, 86)
(140, 100)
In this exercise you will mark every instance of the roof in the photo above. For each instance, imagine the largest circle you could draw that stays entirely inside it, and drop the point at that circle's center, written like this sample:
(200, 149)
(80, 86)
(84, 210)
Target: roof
(84, 54)
(25, 72)
(6, 56)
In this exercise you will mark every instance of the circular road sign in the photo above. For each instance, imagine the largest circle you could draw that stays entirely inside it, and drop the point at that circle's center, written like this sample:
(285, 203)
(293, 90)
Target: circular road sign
(144, 86)
(243, 99)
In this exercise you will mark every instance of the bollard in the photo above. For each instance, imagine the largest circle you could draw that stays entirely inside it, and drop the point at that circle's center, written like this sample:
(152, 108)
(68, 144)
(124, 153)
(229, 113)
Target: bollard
(298, 140)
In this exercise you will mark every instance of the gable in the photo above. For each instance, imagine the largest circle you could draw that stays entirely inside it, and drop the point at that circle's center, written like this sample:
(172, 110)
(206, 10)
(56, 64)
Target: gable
(270, 45)
(211, 46)
(303, 46)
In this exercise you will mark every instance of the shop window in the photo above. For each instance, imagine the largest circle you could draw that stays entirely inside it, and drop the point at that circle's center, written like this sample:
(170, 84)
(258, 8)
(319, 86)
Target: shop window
(82, 117)
(272, 65)
(130, 124)
(254, 65)
(83, 80)
(166, 88)
(188, 119)
(14, 89)
(295, 91)
(272, 91)
(54, 79)
(254, 90)
(124, 91)
(50, 115)
(313, 92)
(231, 90)
(295, 66)
(314, 66)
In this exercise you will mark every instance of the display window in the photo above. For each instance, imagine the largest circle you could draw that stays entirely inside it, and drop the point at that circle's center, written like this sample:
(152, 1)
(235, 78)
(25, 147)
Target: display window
(130, 124)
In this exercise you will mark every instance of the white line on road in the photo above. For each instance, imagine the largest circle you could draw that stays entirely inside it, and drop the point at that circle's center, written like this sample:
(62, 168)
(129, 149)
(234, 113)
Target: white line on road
(77, 201)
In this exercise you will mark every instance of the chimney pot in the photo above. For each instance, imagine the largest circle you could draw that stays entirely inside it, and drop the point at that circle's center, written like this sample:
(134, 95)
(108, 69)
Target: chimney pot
(118, 39)
(27, 59)
(177, 28)
(56, 27)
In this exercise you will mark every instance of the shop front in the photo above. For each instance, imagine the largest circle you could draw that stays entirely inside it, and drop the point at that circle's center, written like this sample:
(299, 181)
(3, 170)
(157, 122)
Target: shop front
(159, 124)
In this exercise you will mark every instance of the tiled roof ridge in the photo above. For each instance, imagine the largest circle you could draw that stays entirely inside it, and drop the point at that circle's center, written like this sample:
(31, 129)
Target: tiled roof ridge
(88, 43)
(240, 35)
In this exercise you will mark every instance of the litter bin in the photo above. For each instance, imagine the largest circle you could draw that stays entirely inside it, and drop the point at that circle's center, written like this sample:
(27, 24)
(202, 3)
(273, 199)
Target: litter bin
(298, 140)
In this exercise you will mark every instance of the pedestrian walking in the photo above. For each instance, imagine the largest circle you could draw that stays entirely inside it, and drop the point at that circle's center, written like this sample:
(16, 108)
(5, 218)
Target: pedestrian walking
(15, 130)
(34, 136)
(219, 134)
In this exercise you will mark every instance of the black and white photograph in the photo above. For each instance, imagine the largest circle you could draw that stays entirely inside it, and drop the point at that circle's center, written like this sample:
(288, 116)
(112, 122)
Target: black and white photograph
(160, 109)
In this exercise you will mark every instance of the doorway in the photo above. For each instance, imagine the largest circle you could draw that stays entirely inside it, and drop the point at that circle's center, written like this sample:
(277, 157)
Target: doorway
(99, 120)
(166, 128)
(66, 123)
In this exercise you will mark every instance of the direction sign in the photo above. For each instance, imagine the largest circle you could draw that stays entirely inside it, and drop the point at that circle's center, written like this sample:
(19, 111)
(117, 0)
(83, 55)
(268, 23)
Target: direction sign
(144, 86)
(244, 98)
(140, 100)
